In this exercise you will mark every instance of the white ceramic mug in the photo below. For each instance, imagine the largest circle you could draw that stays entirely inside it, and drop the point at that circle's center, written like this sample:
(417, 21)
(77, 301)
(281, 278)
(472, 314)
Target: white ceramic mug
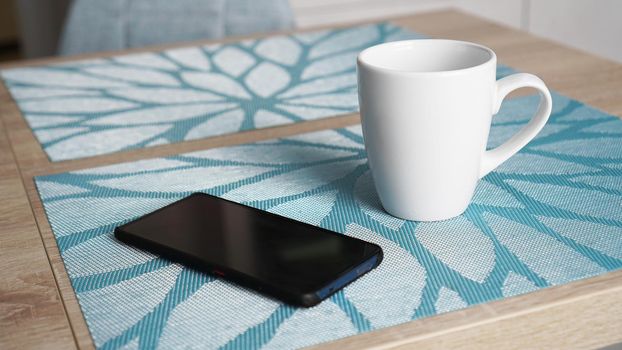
(426, 108)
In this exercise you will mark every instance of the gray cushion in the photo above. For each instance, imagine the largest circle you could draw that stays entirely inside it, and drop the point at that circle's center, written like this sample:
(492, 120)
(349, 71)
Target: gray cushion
(96, 25)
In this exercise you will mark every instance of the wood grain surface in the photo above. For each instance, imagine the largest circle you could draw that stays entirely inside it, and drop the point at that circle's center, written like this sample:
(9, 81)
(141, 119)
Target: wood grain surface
(32, 314)
(38, 308)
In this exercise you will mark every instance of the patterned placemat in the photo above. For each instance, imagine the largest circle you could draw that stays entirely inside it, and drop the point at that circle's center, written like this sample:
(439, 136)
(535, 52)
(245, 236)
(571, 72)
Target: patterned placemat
(550, 215)
(93, 107)
(99, 106)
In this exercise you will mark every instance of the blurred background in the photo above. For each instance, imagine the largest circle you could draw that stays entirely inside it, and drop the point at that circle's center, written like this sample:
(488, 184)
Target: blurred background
(38, 28)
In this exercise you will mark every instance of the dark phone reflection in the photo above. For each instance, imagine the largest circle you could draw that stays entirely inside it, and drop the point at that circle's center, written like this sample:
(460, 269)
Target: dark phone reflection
(267, 247)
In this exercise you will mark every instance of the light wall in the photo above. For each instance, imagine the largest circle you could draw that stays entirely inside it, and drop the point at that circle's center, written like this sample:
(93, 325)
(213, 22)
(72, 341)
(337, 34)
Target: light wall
(590, 25)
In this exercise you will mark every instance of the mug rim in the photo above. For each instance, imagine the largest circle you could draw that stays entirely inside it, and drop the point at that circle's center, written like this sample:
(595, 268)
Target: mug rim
(363, 63)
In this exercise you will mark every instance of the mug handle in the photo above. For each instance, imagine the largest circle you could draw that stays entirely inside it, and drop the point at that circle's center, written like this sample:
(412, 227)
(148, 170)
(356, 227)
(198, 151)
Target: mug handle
(493, 158)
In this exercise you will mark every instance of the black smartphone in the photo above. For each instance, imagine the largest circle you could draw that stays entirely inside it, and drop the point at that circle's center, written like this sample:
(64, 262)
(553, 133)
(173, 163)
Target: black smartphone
(298, 263)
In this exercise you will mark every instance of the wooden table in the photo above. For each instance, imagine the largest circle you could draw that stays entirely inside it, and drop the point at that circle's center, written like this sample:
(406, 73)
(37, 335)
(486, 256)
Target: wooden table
(38, 308)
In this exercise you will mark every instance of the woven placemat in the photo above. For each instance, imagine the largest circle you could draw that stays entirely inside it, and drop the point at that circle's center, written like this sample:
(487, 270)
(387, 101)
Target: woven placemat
(93, 107)
(550, 215)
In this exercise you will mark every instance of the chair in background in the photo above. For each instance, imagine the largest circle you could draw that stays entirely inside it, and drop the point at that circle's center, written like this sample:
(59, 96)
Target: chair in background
(101, 25)
(95, 25)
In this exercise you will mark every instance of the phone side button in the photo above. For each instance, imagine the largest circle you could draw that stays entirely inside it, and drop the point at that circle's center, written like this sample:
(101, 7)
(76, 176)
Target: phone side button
(363, 269)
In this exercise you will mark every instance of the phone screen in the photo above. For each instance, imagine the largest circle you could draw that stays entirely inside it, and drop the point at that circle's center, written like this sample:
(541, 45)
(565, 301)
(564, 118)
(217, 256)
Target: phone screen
(264, 247)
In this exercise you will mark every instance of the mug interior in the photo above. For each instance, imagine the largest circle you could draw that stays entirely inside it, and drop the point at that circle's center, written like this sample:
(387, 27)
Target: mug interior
(426, 55)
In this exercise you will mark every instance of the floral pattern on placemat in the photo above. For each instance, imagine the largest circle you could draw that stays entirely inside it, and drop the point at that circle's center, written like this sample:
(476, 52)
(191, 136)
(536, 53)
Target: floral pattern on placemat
(93, 107)
(550, 215)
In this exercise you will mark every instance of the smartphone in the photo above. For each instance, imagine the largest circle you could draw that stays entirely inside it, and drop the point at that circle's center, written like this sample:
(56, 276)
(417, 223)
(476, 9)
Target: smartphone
(298, 263)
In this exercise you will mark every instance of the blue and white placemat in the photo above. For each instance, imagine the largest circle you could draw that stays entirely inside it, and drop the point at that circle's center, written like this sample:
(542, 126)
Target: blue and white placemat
(550, 215)
(93, 107)
(99, 106)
